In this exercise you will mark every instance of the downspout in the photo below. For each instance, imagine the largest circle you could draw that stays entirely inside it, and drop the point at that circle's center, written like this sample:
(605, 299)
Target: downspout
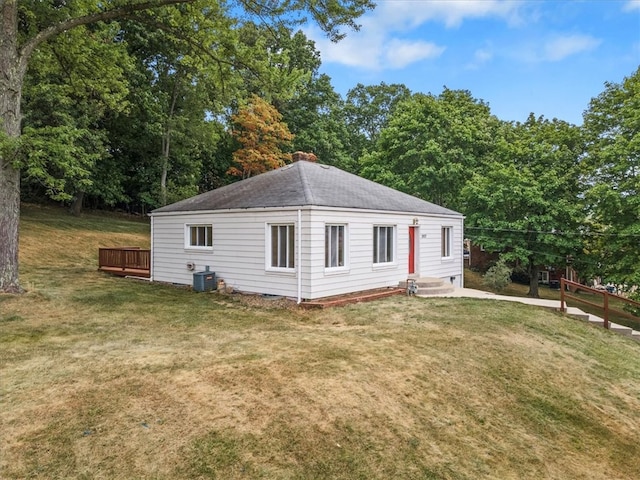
(462, 263)
(299, 256)
(151, 253)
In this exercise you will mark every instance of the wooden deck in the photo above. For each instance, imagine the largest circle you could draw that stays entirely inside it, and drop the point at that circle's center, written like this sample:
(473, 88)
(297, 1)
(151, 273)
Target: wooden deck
(349, 298)
(125, 261)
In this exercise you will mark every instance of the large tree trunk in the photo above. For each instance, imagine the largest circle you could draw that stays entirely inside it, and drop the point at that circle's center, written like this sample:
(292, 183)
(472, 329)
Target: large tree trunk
(76, 205)
(533, 280)
(9, 220)
(13, 65)
(12, 70)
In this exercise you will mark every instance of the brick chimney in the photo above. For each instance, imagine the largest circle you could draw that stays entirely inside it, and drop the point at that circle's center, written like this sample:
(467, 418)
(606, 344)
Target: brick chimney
(303, 156)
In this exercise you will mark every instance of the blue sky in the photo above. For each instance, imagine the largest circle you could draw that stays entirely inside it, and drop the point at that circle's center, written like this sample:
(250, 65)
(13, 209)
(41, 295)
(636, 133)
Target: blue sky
(545, 57)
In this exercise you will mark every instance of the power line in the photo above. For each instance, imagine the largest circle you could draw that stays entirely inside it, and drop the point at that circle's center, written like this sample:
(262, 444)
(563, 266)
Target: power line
(556, 232)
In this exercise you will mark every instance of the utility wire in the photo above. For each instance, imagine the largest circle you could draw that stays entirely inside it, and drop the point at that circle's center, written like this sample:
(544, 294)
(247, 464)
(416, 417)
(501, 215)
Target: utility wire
(586, 234)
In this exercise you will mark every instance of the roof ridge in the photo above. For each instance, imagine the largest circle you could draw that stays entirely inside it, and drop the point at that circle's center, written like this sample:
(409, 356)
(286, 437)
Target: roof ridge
(304, 181)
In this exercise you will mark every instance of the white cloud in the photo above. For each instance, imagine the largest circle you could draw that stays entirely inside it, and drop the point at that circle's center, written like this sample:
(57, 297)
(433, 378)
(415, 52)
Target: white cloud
(553, 49)
(413, 13)
(384, 41)
(480, 57)
(355, 50)
(631, 5)
(400, 53)
(562, 47)
(371, 49)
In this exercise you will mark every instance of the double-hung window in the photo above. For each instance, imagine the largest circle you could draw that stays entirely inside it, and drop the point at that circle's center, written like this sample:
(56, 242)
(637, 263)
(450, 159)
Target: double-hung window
(199, 236)
(447, 239)
(282, 246)
(334, 246)
(383, 244)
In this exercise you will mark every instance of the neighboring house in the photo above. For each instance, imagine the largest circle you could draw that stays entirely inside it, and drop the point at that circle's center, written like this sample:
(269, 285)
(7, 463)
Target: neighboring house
(481, 260)
(478, 258)
(306, 231)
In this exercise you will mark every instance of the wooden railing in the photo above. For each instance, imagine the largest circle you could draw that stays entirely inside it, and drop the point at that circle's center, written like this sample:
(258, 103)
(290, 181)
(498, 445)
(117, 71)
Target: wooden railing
(567, 288)
(125, 261)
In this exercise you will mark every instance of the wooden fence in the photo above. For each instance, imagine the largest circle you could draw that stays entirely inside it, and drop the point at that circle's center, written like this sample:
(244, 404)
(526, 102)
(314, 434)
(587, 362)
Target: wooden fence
(568, 289)
(125, 261)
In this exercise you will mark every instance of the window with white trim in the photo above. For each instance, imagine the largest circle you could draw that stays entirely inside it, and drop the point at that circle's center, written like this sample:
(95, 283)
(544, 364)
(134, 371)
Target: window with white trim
(543, 276)
(199, 236)
(447, 238)
(282, 246)
(334, 246)
(383, 244)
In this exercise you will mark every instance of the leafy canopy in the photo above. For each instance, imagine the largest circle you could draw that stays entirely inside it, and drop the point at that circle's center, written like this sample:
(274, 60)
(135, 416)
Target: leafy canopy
(262, 135)
(612, 170)
(524, 201)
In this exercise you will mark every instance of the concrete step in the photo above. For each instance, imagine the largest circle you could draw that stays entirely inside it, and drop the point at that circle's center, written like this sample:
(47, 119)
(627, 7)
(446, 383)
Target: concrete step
(425, 282)
(621, 329)
(430, 286)
(614, 327)
(593, 320)
(577, 314)
(435, 290)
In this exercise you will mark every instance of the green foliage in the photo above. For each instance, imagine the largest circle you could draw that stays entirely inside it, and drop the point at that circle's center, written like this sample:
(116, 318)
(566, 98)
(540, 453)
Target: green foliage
(170, 73)
(525, 201)
(498, 276)
(60, 159)
(432, 146)
(308, 108)
(9, 147)
(612, 170)
(633, 309)
(76, 80)
(314, 116)
(367, 112)
(276, 65)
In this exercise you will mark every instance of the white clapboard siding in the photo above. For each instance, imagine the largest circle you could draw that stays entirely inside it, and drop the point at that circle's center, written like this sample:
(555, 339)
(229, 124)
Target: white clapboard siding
(239, 250)
(361, 273)
(238, 255)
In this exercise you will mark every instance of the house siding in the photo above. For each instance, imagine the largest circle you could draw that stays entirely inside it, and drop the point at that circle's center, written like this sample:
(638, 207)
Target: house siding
(238, 255)
(239, 250)
(361, 273)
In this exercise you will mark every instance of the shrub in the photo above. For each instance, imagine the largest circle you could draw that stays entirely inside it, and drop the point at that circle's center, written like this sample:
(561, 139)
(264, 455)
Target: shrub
(632, 309)
(498, 276)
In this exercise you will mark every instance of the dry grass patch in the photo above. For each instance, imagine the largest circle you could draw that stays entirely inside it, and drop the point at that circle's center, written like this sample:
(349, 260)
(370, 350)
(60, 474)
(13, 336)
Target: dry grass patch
(111, 378)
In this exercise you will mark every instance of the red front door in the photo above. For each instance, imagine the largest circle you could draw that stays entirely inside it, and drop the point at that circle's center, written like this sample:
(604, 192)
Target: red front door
(412, 250)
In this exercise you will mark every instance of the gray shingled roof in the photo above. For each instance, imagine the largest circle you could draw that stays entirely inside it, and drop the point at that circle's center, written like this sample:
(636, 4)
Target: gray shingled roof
(303, 184)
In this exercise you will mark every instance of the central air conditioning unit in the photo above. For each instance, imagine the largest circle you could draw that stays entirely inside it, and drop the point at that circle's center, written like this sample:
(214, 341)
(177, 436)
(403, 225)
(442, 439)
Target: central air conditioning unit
(204, 281)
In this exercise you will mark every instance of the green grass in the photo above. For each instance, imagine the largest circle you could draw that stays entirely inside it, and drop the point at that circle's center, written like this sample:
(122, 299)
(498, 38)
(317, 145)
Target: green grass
(473, 279)
(105, 377)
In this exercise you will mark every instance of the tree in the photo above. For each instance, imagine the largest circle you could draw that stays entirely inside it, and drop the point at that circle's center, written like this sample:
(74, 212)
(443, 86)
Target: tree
(525, 201)
(75, 82)
(315, 117)
(26, 25)
(367, 112)
(432, 145)
(612, 171)
(314, 112)
(262, 135)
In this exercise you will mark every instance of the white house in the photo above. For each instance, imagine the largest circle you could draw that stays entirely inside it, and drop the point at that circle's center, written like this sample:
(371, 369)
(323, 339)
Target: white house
(306, 231)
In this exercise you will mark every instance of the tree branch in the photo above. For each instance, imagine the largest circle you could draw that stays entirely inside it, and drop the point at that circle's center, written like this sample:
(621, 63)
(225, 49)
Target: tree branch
(124, 11)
